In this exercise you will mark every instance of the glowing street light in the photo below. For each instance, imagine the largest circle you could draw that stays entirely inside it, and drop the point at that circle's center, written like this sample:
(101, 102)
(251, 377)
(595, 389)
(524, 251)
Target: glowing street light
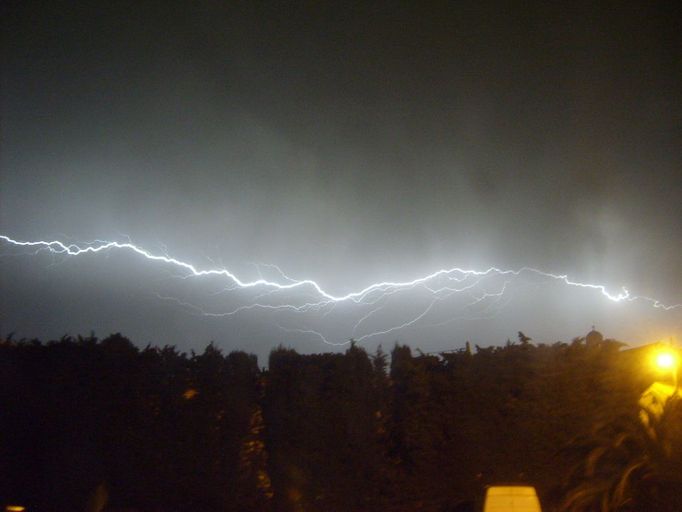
(666, 359)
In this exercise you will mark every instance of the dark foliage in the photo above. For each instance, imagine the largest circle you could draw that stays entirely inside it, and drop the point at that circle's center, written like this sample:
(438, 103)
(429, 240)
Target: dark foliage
(105, 423)
(161, 430)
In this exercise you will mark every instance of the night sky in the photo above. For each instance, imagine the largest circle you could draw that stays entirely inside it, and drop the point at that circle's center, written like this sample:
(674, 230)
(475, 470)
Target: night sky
(346, 144)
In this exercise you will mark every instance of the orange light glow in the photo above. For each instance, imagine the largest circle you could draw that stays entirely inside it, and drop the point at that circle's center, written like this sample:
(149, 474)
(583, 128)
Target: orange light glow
(190, 393)
(665, 360)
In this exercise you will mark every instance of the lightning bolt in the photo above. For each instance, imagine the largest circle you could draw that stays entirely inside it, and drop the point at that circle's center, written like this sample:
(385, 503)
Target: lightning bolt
(284, 293)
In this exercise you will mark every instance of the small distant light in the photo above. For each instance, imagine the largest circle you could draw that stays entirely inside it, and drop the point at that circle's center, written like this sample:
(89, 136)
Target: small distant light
(190, 393)
(14, 508)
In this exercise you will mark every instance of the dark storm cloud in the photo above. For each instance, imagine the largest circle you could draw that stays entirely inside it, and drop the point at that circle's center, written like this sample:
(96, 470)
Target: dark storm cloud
(350, 143)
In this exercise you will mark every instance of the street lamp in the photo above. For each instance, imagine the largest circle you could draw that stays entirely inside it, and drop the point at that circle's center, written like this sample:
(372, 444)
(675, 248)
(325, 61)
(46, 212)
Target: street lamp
(667, 360)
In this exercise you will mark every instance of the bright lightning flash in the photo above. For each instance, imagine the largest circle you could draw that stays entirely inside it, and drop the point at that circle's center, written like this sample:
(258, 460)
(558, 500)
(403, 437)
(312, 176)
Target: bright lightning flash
(287, 294)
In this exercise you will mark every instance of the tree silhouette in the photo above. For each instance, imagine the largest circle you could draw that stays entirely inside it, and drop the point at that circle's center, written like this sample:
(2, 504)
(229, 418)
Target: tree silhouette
(627, 464)
(163, 430)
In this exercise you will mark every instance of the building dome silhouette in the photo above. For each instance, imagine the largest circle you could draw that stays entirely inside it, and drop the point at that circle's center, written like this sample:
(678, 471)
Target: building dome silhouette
(594, 337)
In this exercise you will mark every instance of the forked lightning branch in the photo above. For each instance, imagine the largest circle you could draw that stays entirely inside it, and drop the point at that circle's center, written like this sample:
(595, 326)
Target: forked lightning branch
(289, 295)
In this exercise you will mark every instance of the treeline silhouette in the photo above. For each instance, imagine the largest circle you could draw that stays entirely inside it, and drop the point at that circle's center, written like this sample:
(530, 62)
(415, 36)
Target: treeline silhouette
(121, 428)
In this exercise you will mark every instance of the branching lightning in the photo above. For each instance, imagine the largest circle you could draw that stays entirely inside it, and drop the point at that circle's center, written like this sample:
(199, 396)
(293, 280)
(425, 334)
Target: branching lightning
(286, 294)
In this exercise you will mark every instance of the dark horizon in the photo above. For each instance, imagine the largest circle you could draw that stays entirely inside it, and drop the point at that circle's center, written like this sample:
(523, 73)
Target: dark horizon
(128, 429)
